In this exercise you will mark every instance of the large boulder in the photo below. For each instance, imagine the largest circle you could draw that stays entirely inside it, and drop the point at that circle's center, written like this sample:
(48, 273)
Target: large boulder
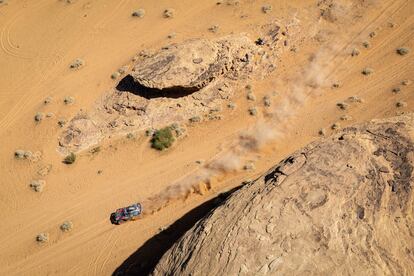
(340, 206)
(193, 64)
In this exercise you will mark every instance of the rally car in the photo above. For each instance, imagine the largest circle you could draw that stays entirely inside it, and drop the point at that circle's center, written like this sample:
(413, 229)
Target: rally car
(125, 214)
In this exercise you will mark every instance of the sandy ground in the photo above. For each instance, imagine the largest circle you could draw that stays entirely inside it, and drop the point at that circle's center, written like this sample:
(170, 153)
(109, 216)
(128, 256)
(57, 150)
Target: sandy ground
(39, 39)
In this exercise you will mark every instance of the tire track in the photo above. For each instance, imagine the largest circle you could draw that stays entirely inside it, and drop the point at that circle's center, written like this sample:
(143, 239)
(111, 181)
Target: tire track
(101, 24)
(5, 37)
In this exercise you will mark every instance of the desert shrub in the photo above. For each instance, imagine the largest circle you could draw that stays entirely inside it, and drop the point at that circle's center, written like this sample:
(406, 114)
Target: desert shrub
(162, 139)
(355, 52)
(68, 100)
(66, 226)
(335, 85)
(253, 111)
(322, 132)
(19, 154)
(406, 82)
(231, 105)
(70, 159)
(195, 119)
(76, 64)
(267, 8)
(336, 126)
(214, 28)
(372, 34)
(47, 100)
(169, 13)
(355, 99)
(366, 44)
(342, 105)
(171, 35)
(37, 185)
(402, 51)
(396, 90)
(115, 75)
(42, 237)
(266, 101)
(62, 122)
(139, 13)
(39, 116)
(95, 150)
(401, 104)
(367, 71)
(249, 166)
(250, 96)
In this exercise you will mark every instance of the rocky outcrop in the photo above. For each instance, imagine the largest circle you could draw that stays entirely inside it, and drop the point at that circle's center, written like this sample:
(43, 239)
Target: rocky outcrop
(340, 206)
(194, 64)
(174, 84)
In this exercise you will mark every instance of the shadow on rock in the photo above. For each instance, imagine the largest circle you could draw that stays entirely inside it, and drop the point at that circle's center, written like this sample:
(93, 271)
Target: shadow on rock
(143, 261)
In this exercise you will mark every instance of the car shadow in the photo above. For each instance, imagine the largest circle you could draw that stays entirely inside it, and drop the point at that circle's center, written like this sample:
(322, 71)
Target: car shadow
(144, 260)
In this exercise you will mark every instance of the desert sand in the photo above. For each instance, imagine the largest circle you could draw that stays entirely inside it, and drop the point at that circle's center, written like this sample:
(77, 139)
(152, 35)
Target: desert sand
(318, 67)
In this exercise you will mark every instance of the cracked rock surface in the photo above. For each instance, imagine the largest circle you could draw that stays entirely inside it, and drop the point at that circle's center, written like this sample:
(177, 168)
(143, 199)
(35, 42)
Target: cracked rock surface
(340, 206)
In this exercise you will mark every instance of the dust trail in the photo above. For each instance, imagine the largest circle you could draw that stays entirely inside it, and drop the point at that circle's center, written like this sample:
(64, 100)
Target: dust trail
(299, 89)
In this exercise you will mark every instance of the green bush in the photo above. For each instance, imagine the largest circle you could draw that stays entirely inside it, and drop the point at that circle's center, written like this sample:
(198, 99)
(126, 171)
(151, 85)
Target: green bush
(70, 159)
(162, 139)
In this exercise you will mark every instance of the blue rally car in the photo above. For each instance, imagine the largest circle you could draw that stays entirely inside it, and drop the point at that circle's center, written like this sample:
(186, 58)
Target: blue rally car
(125, 214)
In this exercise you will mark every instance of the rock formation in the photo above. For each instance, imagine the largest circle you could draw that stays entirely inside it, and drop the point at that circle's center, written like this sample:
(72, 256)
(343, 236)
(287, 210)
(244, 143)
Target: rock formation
(173, 84)
(340, 206)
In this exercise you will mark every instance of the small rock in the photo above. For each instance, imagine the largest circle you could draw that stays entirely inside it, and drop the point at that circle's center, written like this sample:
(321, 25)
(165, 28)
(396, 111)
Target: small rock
(197, 60)
(150, 132)
(231, 105)
(322, 132)
(123, 70)
(406, 82)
